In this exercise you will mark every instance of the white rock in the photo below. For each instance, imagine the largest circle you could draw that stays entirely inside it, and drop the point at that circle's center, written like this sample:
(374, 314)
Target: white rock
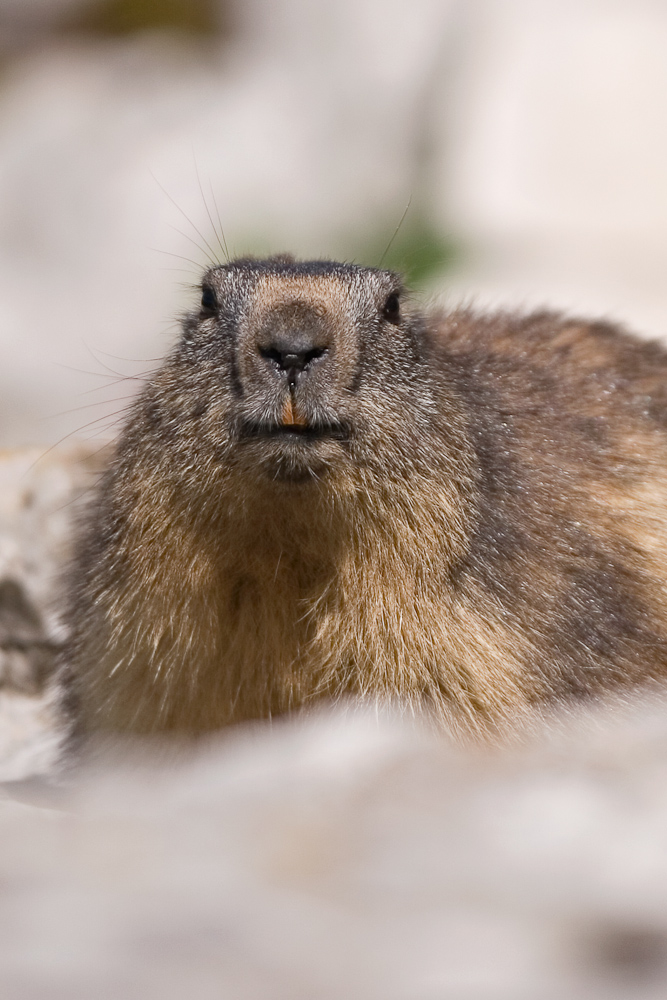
(342, 856)
(40, 493)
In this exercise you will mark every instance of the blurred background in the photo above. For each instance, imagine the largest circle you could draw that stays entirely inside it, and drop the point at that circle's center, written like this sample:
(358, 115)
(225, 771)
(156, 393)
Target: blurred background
(527, 137)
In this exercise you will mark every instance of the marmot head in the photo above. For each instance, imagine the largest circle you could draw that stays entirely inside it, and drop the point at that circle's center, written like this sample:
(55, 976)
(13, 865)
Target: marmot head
(292, 370)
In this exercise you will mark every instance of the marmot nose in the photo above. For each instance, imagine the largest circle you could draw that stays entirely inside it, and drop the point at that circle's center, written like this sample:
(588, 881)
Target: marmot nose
(292, 359)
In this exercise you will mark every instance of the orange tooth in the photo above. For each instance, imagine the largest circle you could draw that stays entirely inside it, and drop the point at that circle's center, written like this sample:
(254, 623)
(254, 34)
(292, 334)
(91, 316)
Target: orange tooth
(291, 415)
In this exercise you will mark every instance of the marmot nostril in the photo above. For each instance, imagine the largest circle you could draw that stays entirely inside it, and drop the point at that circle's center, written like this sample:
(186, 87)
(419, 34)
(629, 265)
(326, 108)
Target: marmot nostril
(291, 361)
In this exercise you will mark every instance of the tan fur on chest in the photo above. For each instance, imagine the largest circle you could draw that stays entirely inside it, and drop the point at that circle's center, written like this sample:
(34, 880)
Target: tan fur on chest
(274, 611)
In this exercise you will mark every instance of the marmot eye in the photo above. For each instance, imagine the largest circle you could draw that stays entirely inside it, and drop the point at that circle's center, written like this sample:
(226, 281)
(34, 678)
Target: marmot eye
(391, 308)
(209, 302)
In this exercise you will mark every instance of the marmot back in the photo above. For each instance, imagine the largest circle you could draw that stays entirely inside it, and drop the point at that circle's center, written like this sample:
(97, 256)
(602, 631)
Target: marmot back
(324, 492)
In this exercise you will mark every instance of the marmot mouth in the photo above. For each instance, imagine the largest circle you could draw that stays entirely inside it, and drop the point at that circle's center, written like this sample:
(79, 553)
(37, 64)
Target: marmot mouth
(336, 430)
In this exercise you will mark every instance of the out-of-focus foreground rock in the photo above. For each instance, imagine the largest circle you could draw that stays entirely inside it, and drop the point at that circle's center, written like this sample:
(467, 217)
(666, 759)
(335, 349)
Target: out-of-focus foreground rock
(40, 493)
(337, 856)
(347, 857)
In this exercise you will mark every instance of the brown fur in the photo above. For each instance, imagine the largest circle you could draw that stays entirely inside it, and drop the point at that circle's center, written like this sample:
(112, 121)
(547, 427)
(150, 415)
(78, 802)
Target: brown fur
(475, 528)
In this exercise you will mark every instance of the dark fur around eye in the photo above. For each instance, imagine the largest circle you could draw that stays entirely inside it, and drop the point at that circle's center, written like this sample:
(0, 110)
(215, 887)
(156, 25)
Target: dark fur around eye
(391, 309)
(209, 302)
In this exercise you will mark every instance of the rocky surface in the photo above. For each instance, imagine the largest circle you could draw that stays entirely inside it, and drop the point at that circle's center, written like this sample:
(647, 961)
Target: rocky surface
(346, 856)
(40, 493)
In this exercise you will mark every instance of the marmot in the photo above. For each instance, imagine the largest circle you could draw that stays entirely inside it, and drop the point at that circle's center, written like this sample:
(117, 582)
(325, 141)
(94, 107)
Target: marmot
(324, 492)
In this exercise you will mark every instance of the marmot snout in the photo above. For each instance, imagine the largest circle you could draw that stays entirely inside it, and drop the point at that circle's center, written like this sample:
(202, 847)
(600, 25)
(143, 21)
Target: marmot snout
(324, 492)
(299, 342)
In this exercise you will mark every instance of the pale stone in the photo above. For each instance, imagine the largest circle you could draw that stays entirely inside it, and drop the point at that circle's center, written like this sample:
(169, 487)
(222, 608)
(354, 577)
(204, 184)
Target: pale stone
(40, 493)
(347, 856)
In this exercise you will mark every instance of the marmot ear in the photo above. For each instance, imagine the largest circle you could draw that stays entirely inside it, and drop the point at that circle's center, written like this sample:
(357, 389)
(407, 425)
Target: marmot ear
(391, 309)
(209, 301)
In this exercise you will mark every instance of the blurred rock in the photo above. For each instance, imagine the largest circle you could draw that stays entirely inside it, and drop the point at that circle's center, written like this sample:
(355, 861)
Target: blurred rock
(24, 25)
(39, 497)
(551, 153)
(27, 656)
(346, 856)
(31, 735)
(40, 493)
